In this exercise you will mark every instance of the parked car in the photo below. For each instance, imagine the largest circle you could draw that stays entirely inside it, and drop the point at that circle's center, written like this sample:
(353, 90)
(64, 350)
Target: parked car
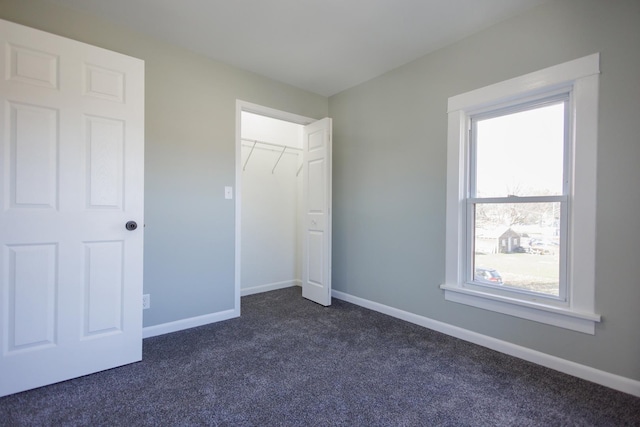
(541, 247)
(487, 276)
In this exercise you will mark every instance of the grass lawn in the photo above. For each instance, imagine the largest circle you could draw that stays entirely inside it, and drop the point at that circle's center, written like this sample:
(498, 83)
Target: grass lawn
(537, 273)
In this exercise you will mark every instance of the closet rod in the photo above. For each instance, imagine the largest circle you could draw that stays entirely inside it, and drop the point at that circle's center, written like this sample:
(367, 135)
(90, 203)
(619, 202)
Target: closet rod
(271, 143)
(284, 148)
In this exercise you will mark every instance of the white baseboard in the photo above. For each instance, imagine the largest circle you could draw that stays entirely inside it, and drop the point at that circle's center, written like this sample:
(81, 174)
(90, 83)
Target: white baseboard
(588, 373)
(192, 322)
(269, 287)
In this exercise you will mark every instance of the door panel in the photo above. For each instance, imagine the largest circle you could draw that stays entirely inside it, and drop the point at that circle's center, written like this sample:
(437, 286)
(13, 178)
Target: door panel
(316, 183)
(316, 269)
(32, 287)
(71, 176)
(33, 147)
(32, 66)
(316, 258)
(103, 287)
(105, 148)
(104, 83)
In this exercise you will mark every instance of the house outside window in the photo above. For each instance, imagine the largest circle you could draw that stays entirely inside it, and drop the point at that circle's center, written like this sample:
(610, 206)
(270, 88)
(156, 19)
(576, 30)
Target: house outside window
(521, 169)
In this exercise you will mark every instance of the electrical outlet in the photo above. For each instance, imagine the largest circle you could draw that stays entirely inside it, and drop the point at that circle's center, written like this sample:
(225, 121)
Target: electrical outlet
(146, 301)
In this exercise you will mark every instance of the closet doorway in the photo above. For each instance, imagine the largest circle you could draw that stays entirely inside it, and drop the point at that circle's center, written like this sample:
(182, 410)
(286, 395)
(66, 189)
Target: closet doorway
(283, 203)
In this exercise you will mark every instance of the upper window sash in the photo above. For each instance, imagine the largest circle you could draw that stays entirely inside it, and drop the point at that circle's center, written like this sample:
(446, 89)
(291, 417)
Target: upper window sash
(530, 103)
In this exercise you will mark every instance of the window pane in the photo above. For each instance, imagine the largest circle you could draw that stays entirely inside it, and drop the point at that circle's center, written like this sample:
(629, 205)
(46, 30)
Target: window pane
(517, 245)
(521, 154)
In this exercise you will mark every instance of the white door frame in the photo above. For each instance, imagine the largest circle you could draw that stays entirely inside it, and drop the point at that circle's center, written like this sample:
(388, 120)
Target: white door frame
(263, 111)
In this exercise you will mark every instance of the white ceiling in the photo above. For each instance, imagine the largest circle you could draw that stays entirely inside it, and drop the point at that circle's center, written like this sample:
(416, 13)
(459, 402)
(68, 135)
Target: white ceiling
(324, 46)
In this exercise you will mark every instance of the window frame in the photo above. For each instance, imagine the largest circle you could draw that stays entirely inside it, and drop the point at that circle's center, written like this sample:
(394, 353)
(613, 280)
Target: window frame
(580, 79)
(472, 198)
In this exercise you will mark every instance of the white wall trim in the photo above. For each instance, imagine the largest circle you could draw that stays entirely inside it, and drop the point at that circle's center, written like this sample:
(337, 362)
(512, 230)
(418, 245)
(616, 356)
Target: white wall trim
(530, 310)
(617, 382)
(531, 83)
(180, 325)
(270, 287)
(578, 78)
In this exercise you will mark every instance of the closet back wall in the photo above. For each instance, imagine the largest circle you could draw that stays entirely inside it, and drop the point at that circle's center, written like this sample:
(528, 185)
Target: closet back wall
(270, 254)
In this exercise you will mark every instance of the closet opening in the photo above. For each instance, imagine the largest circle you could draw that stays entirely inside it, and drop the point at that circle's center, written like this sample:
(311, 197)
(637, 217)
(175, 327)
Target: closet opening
(283, 203)
(283, 199)
(271, 152)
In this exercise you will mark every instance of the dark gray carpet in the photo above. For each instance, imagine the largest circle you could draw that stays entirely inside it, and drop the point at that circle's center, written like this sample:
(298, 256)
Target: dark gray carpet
(290, 362)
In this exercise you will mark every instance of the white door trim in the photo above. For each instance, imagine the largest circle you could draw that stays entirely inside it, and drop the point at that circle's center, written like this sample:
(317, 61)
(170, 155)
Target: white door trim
(263, 111)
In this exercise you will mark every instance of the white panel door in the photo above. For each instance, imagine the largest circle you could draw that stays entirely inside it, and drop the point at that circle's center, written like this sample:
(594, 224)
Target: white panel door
(316, 268)
(71, 177)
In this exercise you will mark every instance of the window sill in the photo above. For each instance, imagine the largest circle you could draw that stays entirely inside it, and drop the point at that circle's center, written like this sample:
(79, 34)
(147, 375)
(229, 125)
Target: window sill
(538, 312)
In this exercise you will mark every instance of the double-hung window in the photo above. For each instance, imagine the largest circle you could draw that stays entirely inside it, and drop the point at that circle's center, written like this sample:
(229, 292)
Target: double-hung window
(521, 196)
(518, 199)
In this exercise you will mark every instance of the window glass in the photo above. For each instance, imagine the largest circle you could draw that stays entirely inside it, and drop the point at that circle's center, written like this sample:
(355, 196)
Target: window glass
(519, 153)
(522, 153)
(528, 257)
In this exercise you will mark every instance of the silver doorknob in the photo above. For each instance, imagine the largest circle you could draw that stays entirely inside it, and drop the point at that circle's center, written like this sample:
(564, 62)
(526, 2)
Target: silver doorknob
(131, 225)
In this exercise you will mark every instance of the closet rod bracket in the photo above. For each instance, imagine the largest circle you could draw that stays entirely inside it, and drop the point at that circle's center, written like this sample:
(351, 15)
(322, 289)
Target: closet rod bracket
(249, 156)
(278, 161)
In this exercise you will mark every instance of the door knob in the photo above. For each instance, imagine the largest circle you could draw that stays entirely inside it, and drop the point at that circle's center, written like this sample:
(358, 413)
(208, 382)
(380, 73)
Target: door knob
(131, 225)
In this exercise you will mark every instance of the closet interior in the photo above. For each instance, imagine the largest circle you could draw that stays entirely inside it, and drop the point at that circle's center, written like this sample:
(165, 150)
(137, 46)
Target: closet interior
(271, 203)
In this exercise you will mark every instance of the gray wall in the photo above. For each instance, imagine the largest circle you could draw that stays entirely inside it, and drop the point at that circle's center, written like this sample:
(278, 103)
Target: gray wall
(390, 173)
(189, 157)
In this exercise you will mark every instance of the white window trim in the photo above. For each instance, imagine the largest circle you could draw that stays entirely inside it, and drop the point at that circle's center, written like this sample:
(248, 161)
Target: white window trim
(581, 76)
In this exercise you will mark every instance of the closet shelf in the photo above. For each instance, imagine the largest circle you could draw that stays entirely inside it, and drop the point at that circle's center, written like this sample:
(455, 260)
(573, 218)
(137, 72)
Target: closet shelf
(272, 144)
